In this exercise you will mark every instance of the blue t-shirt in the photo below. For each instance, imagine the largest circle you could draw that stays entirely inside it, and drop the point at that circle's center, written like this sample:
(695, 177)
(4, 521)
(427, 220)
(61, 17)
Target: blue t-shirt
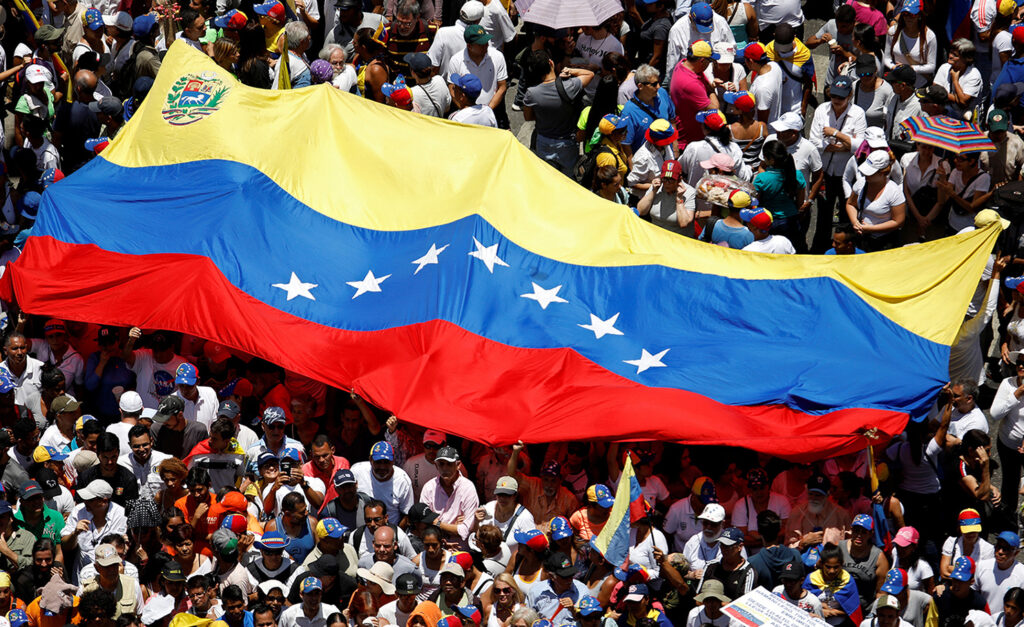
(639, 118)
(736, 236)
(832, 251)
(771, 194)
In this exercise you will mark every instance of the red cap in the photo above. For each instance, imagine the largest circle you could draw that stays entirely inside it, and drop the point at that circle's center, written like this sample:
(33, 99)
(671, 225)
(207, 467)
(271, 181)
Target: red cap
(762, 221)
(1017, 34)
(755, 52)
(671, 169)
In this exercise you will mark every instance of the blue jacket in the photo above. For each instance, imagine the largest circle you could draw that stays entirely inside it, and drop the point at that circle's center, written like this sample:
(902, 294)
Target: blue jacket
(639, 119)
(1012, 72)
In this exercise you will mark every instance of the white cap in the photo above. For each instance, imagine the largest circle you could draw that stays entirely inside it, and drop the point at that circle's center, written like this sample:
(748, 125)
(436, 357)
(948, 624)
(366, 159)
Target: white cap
(22, 50)
(158, 607)
(888, 600)
(713, 512)
(130, 402)
(875, 137)
(38, 74)
(122, 20)
(726, 51)
(272, 584)
(97, 489)
(878, 160)
(472, 12)
(790, 121)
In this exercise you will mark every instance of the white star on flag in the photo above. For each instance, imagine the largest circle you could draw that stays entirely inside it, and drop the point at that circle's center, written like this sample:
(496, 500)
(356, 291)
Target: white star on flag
(647, 360)
(488, 255)
(601, 327)
(295, 287)
(369, 283)
(429, 258)
(543, 296)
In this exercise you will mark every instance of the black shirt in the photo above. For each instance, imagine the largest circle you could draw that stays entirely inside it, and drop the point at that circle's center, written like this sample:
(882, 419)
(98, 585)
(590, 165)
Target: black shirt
(126, 486)
(75, 123)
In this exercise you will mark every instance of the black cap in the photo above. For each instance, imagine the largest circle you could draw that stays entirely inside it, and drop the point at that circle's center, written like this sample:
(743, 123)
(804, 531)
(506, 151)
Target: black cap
(408, 583)
(172, 572)
(170, 406)
(792, 570)
(418, 62)
(934, 94)
(229, 409)
(343, 477)
(106, 335)
(107, 105)
(345, 5)
(819, 483)
(867, 63)
(841, 87)
(902, 74)
(48, 481)
(421, 513)
(324, 565)
(558, 563)
(30, 490)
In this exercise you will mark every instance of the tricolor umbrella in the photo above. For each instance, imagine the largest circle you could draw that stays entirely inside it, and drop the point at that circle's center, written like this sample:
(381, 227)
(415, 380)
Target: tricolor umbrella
(942, 131)
(567, 13)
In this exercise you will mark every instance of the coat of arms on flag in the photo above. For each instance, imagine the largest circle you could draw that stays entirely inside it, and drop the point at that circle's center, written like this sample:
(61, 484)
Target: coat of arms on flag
(193, 97)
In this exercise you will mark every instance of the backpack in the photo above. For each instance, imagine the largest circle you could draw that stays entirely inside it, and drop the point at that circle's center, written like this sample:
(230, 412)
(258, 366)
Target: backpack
(586, 165)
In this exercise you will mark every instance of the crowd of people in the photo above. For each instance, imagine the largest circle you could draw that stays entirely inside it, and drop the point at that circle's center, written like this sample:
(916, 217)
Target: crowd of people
(159, 479)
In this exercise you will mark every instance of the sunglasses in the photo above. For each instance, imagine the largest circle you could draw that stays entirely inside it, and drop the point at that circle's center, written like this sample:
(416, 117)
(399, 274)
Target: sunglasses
(503, 591)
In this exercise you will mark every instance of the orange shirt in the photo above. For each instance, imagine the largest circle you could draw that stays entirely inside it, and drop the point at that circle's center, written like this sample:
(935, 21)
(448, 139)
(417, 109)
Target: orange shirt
(582, 525)
(204, 527)
(36, 618)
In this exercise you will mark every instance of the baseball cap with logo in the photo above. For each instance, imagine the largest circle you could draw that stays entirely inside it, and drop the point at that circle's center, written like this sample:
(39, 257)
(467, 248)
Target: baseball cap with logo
(106, 555)
(37, 74)
(713, 513)
(671, 169)
(599, 494)
(172, 572)
(895, 581)
(906, 536)
(970, 520)
(330, 528)
(32, 489)
(637, 592)
(452, 568)
(168, 407)
(867, 64)
(864, 522)
(934, 94)
(186, 374)
(450, 621)
(611, 123)
(273, 416)
(739, 199)
(703, 17)
(433, 436)
(634, 572)
(469, 612)
(273, 10)
(229, 409)
(505, 485)
(476, 34)
(731, 536)
(755, 52)
(559, 564)
(742, 100)
(963, 569)
(53, 325)
(44, 454)
(64, 404)
(93, 19)
(408, 584)
(17, 618)
(704, 489)
(792, 570)
(398, 92)
(819, 484)
(788, 121)
(311, 584)
(382, 451)
(998, 120)
(344, 477)
(232, 20)
(841, 87)
(888, 601)
(701, 49)
(560, 528)
(447, 454)
(589, 606)
(532, 538)
(757, 478)
(235, 523)
(463, 559)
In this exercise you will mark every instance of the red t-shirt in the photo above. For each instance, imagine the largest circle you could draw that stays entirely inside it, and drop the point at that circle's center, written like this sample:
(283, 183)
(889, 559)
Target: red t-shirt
(309, 469)
(689, 93)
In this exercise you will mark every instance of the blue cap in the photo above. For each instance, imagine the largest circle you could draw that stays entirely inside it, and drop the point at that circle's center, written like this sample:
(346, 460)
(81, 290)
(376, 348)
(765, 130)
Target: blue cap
(56, 455)
(841, 87)
(895, 581)
(560, 528)
(811, 557)
(265, 458)
(330, 528)
(598, 493)
(589, 605)
(382, 450)
(7, 383)
(273, 415)
(1013, 283)
(468, 83)
(5, 507)
(93, 19)
(17, 618)
(30, 204)
(1010, 538)
(731, 536)
(293, 454)
(344, 476)
(272, 541)
(186, 374)
(864, 522)
(703, 17)
(963, 569)
(143, 25)
(617, 122)
(311, 584)
(912, 7)
(637, 591)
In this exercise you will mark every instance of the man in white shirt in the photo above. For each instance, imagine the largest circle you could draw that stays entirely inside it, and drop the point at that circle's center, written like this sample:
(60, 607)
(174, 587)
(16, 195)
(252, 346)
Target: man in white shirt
(55, 349)
(200, 401)
(759, 222)
(311, 612)
(25, 371)
(154, 367)
(143, 461)
(465, 89)
(430, 92)
(702, 24)
(702, 549)
(966, 413)
(380, 479)
(497, 23)
(993, 577)
(449, 40)
(681, 521)
(484, 62)
(767, 83)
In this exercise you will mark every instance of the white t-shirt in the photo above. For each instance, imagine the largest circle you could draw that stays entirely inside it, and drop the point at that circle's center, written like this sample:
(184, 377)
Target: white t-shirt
(154, 381)
(1002, 42)
(434, 99)
(53, 437)
(654, 490)
(914, 178)
(879, 210)
(448, 42)
(808, 603)
(993, 582)
(953, 548)
(981, 183)
(777, 11)
(698, 617)
(774, 244)
(916, 575)
(767, 90)
(524, 522)
(960, 424)
(744, 514)
(490, 71)
(593, 50)
(480, 114)
(204, 409)
(285, 490)
(346, 79)
(396, 492)
(924, 65)
(393, 615)
(46, 154)
(681, 522)
(498, 25)
(971, 82)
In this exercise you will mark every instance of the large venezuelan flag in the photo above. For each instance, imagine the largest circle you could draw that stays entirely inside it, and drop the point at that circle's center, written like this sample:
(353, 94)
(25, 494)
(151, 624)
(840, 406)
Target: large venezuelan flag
(446, 274)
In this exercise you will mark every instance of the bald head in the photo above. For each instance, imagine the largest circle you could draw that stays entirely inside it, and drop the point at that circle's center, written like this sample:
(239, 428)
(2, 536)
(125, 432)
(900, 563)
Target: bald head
(85, 85)
(384, 545)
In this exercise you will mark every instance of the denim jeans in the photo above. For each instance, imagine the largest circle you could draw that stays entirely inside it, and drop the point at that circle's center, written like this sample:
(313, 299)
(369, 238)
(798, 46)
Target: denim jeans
(560, 153)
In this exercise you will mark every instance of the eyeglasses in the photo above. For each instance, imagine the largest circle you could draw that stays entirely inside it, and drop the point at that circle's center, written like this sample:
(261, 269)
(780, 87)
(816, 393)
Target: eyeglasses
(651, 83)
(377, 519)
(430, 446)
(503, 591)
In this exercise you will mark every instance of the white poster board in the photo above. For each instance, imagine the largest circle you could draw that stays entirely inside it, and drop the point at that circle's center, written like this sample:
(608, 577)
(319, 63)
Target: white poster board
(760, 607)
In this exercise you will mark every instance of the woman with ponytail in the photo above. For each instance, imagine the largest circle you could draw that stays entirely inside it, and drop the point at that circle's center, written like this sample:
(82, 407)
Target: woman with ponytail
(780, 190)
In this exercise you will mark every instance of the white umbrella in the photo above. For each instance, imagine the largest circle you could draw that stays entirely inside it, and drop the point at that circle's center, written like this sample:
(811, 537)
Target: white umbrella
(567, 13)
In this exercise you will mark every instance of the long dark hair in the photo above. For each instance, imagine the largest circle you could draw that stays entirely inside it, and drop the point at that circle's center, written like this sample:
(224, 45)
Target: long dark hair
(606, 100)
(777, 156)
(922, 36)
(868, 39)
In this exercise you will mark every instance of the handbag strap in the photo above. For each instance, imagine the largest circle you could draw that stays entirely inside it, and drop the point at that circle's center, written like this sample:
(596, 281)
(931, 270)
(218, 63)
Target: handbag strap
(512, 523)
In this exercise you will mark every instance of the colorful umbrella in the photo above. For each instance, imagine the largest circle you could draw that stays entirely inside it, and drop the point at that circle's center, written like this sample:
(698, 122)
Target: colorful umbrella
(948, 133)
(567, 13)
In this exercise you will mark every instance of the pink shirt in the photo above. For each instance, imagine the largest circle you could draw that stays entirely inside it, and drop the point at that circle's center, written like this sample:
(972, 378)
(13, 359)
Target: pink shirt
(874, 17)
(309, 469)
(463, 501)
(689, 93)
